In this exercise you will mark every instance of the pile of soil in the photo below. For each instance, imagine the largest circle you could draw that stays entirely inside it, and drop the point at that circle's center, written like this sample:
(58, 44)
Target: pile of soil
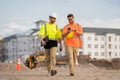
(115, 63)
(112, 64)
(84, 59)
(102, 63)
(11, 67)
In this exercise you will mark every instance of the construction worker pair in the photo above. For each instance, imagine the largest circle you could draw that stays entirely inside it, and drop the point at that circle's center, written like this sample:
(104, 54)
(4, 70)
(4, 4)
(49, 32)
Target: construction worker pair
(52, 72)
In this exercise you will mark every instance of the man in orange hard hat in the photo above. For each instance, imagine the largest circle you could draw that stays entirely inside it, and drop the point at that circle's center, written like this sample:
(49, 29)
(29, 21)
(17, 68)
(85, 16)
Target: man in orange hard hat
(72, 32)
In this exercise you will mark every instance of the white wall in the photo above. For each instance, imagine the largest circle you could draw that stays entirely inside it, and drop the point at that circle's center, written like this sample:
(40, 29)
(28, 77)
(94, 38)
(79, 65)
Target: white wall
(98, 46)
(88, 43)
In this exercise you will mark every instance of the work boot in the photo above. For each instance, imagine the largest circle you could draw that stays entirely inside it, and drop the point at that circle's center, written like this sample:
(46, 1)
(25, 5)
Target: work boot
(53, 72)
(71, 74)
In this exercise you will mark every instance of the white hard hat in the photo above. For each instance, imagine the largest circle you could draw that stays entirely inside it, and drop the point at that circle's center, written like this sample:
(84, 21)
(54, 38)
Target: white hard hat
(53, 14)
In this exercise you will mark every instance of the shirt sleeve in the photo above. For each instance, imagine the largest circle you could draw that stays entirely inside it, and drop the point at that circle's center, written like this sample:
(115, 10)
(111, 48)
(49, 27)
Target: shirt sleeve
(80, 30)
(59, 34)
(42, 30)
(64, 30)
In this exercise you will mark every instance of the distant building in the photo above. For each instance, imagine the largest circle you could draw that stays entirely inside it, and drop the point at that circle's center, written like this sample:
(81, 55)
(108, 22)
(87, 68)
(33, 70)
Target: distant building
(21, 45)
(2, 54)
(101, 43)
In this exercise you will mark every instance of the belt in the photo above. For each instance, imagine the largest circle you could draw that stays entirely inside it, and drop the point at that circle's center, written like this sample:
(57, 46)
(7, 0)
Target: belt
(52, 39)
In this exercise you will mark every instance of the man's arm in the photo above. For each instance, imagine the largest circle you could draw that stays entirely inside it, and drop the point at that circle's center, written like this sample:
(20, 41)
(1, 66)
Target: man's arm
(79, 30)
(60, 42)
(42, 41)
(41, 34)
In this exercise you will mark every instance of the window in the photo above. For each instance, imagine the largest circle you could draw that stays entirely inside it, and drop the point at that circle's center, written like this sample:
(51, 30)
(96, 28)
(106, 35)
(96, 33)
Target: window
(115, 46)
(80, 52)
(96, 53)
(102, 46)
(96, 38)
(33, 40)
(29, 49)
(102, 53)
(6, 50)
(89, 53)
(24, 49)
(20, 50)
(102, 38)
(110, 54)
(96, 46)
(6, 44)
(33, 47)
(24, 42)
(89, 45)
(89, 38)
(13, 42)
(13, 50)
(109, 38)
(115, 39)
(109, 46)
(116, 54)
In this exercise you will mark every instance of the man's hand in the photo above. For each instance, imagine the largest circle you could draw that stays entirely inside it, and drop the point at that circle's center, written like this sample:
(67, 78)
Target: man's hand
(43, 43)
(61, 48)
(69, 30)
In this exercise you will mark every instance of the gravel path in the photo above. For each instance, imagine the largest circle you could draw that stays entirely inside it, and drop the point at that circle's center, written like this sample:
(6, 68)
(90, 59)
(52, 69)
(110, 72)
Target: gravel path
(83, 72)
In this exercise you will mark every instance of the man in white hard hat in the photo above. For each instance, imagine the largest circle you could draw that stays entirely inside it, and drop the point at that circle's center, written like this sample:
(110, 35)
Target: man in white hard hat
(50, 35)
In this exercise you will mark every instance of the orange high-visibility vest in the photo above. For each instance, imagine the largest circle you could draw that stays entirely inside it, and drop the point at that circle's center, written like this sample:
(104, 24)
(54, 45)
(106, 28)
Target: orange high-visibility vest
(75, 41)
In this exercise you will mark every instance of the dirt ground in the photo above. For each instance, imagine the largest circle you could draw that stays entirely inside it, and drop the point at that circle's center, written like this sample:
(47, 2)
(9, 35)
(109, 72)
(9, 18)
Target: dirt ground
(83, 72)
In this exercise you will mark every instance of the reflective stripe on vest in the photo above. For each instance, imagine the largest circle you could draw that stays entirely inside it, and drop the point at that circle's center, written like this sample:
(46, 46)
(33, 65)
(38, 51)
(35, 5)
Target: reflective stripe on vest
(76, 37)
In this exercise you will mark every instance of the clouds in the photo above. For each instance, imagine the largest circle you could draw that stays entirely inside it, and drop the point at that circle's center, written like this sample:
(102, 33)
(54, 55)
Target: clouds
(17, 16)
(12, 28)
(111, 23)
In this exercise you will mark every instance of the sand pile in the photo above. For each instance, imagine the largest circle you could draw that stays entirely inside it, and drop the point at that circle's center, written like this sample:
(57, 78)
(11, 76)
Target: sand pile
(83, 72)
(112, 64)
(116, 63)
(84, 59)
(7, 68)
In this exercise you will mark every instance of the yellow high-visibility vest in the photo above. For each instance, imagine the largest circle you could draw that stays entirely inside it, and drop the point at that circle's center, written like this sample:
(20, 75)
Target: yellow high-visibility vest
(52, 31)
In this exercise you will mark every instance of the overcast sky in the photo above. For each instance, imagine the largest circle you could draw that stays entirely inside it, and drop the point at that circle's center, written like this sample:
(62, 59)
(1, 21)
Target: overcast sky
(17, 16)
